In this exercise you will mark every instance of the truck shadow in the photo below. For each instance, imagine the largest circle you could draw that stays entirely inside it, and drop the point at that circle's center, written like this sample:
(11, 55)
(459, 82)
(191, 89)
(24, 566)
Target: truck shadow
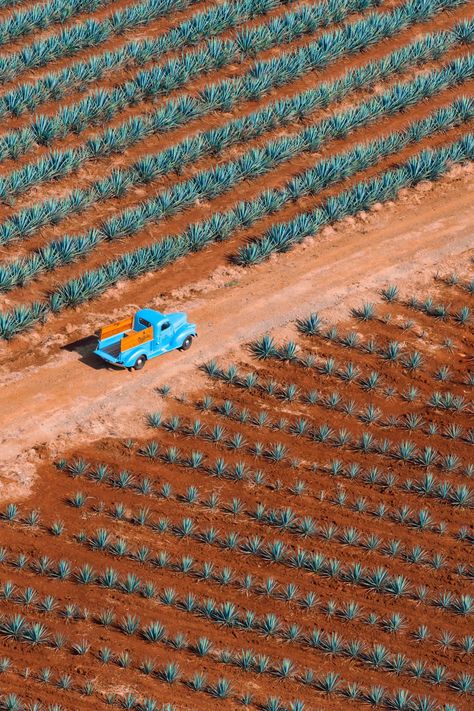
(84, 347)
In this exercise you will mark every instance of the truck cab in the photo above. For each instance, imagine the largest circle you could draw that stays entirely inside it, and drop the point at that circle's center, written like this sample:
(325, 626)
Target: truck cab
(145, 335)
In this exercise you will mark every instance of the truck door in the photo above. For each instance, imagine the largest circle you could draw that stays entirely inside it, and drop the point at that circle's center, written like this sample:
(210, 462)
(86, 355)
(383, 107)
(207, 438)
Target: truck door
(165, 335)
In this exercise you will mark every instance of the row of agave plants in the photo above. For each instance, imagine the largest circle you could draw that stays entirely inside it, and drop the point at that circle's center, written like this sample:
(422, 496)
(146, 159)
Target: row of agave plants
(248, 661)
(241, 472)
(370, 414)
(226, 613)
(454, 279)
(283, 518)
(439, 310)
(313, 326)
(324, 434)
(391, 351)
(403, 515)
(364, 443)
(437, 402)
(66, 683)
(177, 112)
(429, 164)
(10, 3)
(215, 54)
(92, 33)
(174, 74)
(348, 612)
(350, 374)
(25, 22)
(394, 353)
(303, 527)
(77, 684)
(13, 702)
(152, 167)
(97, 541)
(57, 45)
(405, 451)
(55, 85)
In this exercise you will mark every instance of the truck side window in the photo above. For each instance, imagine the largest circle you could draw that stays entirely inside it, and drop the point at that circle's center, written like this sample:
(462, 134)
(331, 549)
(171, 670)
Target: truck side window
(143, 322)
(165, 325)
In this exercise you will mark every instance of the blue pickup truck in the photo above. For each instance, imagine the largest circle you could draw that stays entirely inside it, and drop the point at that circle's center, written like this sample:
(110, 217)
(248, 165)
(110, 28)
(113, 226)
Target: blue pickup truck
(147, 334)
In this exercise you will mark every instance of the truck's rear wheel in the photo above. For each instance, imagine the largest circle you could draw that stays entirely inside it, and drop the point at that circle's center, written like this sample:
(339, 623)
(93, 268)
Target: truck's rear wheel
(187, 343)
(139, 363)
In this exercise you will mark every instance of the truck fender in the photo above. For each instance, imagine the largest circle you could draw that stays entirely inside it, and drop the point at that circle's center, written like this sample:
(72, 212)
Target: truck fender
(185, 334)
(131, 359)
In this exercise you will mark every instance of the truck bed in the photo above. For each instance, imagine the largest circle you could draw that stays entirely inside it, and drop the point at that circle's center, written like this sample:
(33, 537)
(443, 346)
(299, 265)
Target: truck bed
(113, 349)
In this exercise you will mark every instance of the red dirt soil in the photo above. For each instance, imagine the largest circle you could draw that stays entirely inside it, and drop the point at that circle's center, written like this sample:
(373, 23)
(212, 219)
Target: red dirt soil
(329, 502)
(60, 406)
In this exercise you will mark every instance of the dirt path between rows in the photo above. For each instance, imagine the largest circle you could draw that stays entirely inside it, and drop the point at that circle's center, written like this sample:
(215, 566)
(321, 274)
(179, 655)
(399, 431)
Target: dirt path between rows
(72, 398)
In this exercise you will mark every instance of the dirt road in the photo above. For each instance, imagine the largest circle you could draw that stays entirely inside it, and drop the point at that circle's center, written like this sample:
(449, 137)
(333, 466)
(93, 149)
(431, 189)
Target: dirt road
(71, 397)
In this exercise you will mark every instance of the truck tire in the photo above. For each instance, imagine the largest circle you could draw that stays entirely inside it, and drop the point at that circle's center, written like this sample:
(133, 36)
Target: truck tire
(186, 343)
(140, 362)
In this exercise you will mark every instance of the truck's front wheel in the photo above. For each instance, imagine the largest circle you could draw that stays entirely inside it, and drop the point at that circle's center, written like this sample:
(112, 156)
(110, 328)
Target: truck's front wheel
(187, 343)
(139, 363)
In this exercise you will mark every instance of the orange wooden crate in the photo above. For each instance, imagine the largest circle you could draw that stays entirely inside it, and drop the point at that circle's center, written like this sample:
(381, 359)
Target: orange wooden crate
(117, 327)
(136, 338)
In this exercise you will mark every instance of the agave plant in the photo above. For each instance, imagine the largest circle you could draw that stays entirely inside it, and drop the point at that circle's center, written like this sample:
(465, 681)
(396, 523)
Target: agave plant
(288, 351)
(264, 348)
(390, 293)
(413, 361)
(153, 632)
(462, 316)
(277, 452)
(310, 325)
(364, 313)
(222, 689)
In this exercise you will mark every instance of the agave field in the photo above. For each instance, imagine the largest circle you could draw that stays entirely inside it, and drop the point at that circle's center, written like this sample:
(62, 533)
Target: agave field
(135, 135)
(294, 532)
(296, 536)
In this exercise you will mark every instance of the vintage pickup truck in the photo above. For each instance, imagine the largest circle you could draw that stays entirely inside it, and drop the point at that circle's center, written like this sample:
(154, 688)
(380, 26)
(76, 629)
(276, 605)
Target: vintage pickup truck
(147, 334)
